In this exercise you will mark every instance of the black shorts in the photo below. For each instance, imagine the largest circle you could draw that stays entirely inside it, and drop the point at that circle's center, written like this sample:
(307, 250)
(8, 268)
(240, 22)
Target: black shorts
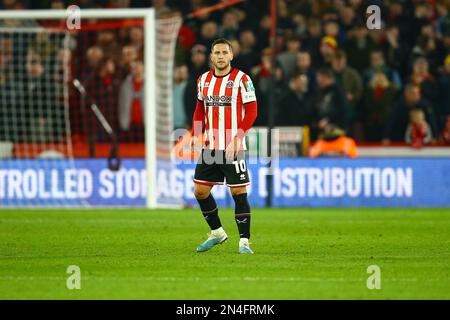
(212, 168)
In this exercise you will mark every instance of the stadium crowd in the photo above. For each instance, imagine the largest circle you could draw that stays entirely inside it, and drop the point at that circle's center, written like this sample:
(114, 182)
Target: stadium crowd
(385, 85)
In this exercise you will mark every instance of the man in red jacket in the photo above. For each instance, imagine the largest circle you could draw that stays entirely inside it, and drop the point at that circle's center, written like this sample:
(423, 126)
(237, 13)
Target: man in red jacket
(226, 109)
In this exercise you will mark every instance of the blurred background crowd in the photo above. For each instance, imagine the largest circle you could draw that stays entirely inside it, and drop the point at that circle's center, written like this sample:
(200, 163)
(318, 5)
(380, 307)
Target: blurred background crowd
(386, 85)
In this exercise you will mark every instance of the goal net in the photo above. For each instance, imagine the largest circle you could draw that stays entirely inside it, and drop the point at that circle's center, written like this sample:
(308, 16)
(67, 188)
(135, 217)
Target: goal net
(56, 138)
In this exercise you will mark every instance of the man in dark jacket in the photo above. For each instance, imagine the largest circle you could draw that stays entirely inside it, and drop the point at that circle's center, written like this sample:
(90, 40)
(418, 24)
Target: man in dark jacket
(399, 117)
(199, 65)
(329, 102)
(294, 108)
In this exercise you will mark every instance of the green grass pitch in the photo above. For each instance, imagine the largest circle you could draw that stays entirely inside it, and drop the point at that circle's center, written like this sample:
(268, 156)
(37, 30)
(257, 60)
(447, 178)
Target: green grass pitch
(299, 254)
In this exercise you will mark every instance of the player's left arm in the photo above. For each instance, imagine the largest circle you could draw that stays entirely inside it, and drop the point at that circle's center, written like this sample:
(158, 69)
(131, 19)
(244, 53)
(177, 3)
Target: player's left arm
(250, 106)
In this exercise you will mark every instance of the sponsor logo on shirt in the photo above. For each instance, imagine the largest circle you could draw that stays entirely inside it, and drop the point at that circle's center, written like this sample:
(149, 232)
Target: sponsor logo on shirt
(218, 101)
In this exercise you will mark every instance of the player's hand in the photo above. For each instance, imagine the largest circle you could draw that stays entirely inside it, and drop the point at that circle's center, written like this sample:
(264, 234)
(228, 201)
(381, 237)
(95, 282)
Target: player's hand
(233, 149)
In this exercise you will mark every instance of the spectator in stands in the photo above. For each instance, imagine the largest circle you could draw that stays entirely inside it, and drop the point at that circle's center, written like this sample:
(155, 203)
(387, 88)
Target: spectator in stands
(350, 81)
(426, 46)
(422, 77)
(248, 49)
(199, 65)
(445, 134)
(160, 7)
(284, 21)
(37, 109)
(131, 104)
(395, 50)
(423, 14)
(418, 132)
(333, 142)
(377, 63)
(377, 102)
(358, 47)
(304, 65)
(312, 42)
(328, 46)
(330, 12)
(57, 4)
(238, 62)
(262, 78)
(137, 41)
(129, 55)
(399, 116)
(444, 84)
(288, 59)
(294, 108)
(263, 34)
(230, 25)
(329, 103)
(209, 31)
(262, 73)
(104, 88)
(347, 17)
(107, 41)
(12, 5)
(442, 14)
(331, 29)
(300, 28)
(181, 75)
(94, 55)
(197, 22)
(444, 48)
(61, 73)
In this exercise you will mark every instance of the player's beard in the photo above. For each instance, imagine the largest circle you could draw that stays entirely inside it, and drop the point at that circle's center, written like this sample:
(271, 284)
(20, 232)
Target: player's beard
(226, 65)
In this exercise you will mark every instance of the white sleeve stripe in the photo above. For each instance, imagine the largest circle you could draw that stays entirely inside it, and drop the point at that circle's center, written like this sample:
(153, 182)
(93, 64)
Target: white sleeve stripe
(234, 106)
(200, 89)
(247, 96)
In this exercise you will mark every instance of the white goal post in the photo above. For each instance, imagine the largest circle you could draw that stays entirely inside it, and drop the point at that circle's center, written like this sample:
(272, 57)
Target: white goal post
(150, 96)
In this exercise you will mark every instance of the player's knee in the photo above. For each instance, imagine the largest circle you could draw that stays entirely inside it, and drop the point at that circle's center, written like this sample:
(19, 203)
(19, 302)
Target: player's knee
(238, 190)
(201, 193)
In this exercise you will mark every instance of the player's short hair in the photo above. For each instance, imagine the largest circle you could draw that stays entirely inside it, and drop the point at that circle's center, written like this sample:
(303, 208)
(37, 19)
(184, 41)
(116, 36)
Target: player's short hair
(221, 41)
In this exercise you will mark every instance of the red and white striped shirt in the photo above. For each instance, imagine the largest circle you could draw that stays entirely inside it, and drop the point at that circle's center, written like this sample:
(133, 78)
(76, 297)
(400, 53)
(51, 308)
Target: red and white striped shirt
(222, 105)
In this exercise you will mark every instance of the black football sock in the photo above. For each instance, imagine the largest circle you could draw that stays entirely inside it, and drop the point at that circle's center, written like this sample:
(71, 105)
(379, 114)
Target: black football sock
(210, 212)
(242, 215)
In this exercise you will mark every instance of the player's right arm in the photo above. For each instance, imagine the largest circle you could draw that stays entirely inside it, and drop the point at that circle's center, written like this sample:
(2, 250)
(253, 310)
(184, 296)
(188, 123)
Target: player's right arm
(199, 116)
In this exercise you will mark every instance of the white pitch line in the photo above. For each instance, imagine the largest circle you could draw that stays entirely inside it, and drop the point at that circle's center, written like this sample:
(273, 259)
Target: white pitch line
(224, 279)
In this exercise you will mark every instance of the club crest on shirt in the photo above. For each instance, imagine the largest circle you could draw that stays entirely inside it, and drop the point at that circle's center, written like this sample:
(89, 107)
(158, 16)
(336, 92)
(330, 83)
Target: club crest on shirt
(206, 84)
(230, 84)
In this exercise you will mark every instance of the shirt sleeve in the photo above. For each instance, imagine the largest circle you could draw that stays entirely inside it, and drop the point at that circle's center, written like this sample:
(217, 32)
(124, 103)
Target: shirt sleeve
(198, 119)
(247, 90)
(199, 89)
(251, 112)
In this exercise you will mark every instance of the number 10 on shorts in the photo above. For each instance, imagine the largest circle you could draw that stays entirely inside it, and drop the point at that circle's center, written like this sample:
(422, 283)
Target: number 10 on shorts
(240, 166)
